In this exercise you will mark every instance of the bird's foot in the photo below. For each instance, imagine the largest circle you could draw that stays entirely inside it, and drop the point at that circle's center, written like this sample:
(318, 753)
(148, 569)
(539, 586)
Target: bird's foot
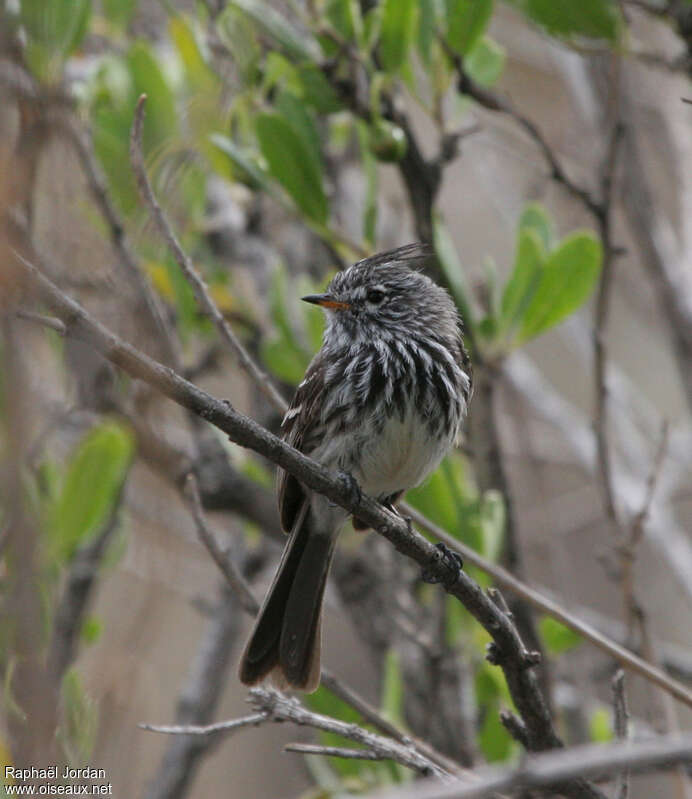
(451, 560)
(354, 493)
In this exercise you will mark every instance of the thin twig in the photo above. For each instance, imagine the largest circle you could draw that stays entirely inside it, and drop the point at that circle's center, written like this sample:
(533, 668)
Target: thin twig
(281, 708)
(603, 215)
(45, 321)
(492, 101)
(334, 751)
(252, 720)
(204, 298)
(272, 706)
(651, 484)
(228, 568)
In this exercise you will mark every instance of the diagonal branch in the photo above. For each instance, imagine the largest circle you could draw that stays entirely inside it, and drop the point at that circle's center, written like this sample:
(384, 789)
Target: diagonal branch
(248, 433)
(407, 541)
(509, 652)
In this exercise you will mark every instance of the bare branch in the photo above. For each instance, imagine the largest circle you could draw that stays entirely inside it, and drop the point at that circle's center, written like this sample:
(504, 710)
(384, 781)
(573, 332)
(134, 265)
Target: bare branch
(275, 707)
(603, 214)
(252, 720)
(334, 751)
(493, 101)
(45, 321)
(260, 378)
(280, 708)
(651, 484)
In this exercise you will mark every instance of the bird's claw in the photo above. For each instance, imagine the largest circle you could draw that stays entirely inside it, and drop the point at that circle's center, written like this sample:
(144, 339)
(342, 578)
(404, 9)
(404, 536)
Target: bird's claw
(453, 562)
(353, 490)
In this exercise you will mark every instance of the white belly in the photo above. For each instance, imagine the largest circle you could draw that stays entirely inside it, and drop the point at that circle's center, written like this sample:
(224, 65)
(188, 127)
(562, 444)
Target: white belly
(399, 457)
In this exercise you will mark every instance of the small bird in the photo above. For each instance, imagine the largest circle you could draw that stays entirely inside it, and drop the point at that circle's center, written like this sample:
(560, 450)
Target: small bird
(382, 402)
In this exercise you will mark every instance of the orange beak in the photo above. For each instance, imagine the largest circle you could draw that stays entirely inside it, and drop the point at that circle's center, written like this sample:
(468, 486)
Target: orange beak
(326, 301)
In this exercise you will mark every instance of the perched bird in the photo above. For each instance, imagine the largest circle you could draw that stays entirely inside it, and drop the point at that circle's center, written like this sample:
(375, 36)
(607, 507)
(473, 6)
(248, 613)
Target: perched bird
(382, 402)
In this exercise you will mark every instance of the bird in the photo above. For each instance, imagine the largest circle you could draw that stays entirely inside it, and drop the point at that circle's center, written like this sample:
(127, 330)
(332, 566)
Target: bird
(382, 402)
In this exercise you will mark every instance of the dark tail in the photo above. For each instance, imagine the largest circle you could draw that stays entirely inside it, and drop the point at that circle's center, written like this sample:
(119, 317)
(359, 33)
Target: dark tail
(286, 637)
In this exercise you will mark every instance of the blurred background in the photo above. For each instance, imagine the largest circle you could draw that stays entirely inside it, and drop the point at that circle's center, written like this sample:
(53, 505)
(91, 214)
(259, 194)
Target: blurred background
(546, 150)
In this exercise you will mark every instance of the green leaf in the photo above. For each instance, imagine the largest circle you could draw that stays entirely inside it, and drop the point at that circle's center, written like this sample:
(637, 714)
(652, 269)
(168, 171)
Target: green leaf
(396, 33)
(244, 162)
(556, 636)
(452, 269)
(485, 61)
(296, 44)
(466, 22)
(111, 133)
(600, 726)
(427, 21)
(345, 16)
(595, 19)
(54, 30)
(567, 280)
(199, 75)
(535, 217)
(161, 120)
(291, 164)
(95, 474)
(520, 288)
(294, 111)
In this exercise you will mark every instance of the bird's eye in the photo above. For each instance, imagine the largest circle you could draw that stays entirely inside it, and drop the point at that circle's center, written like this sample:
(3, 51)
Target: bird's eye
(375, 296)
